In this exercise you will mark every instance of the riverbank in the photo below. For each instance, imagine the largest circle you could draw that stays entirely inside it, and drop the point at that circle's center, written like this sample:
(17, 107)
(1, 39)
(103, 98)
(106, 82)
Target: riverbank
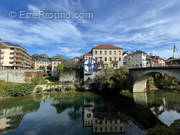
(9, 89)
(15, 89)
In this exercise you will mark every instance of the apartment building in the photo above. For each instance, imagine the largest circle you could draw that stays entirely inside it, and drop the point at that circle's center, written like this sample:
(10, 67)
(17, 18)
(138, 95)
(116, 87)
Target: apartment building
(136, 59)
(173, 61)
(158, 61)
(14, 56)
(54, 64)
(42, 64)
(108, 56)
(105, 56)
(102, 57)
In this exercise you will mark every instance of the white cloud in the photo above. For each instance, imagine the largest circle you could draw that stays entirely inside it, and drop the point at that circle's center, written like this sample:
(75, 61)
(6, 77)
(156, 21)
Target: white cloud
(70, 51)
(41, 33)
(33, 8)
(141, 25)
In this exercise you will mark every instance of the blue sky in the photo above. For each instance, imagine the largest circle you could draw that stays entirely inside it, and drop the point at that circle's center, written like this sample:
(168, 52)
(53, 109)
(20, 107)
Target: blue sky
(148, 25)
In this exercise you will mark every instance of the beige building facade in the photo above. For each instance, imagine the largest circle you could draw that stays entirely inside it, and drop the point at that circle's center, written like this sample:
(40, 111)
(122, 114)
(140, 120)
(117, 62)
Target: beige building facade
(41, 63)
(14, 57)
(108, 56)
(105, 56)
(102, 57)
(54, 64)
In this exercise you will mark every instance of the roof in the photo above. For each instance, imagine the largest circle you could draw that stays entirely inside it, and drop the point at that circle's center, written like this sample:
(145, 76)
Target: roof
(15, 45)
(134, 53)
(45, 60)
(11, 44)
(126, 52)
(157, 57)
(106, 47)
(76, 58)
(173, 59)
(88, 54)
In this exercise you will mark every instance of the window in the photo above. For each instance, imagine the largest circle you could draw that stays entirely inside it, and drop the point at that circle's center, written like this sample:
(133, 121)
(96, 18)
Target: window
(101, 52)
(110, 59)
(114, 58)
(11, 48)
(100, 58)
(114, 52)
(11, 53)
(11, 58)
(95, 52)
(110, 52)
(105, 59)
(105, 52)
(119, 58)
(10, 62)
(119, 52)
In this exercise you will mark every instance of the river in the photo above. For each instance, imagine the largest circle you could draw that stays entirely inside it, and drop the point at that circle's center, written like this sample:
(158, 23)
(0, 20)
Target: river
(86, 114)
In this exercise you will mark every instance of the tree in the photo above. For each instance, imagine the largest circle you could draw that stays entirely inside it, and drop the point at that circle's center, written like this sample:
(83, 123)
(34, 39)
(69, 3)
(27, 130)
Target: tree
(39, 56)
(60, 68)
(111, 80)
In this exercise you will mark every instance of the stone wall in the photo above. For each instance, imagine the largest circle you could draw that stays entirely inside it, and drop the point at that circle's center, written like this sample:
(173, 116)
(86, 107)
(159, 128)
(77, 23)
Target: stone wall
(71, 76)
(17, 76)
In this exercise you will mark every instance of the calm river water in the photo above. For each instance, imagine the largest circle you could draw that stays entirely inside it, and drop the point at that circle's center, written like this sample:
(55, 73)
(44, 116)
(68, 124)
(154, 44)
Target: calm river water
(86, 114)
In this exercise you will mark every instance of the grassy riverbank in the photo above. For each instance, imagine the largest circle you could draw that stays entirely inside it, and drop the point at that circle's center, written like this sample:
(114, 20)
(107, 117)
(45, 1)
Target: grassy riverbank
(15, 89)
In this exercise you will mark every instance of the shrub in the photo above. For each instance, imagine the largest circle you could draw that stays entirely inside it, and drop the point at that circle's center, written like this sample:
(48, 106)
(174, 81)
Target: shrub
(16, 89)
(58, 89)
(159, 130)
(39, 90)
(2, 92)
(37, 79)
(68, 88)
(111, 80)
(79, 86)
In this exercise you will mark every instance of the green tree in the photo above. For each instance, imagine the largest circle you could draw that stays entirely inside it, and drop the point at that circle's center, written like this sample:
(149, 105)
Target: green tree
(111, 80)
(40, 56)
(60, 68)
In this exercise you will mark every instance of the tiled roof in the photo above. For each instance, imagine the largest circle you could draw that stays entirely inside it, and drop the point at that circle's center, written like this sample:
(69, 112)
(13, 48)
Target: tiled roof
(106, 47)
(88, 54)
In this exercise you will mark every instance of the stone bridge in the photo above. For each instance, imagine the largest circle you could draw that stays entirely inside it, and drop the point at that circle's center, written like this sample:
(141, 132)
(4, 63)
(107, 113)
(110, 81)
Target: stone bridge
(139, 76)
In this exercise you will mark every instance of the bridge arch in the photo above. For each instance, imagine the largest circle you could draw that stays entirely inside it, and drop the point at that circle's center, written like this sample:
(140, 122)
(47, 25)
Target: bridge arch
(140, 76)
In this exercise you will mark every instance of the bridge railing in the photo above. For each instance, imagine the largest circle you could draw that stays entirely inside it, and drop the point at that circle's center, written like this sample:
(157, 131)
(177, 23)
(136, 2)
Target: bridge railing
(154, 66)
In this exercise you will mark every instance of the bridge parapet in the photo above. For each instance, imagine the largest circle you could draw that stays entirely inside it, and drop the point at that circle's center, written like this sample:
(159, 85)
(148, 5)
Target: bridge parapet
(140, 75)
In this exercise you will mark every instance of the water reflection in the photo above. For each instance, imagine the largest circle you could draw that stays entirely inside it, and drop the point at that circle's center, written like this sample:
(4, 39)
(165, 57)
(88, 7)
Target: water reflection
(51, 115)
(118, 123)
(12, 112)
(164, 105)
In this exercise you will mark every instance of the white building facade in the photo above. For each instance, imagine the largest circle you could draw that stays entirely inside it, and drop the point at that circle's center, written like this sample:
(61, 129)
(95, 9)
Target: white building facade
(136, 59)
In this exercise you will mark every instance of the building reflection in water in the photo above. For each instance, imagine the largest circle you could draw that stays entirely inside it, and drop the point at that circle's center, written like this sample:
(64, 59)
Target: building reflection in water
(11, 115)
(108, 125)
(10, 123)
